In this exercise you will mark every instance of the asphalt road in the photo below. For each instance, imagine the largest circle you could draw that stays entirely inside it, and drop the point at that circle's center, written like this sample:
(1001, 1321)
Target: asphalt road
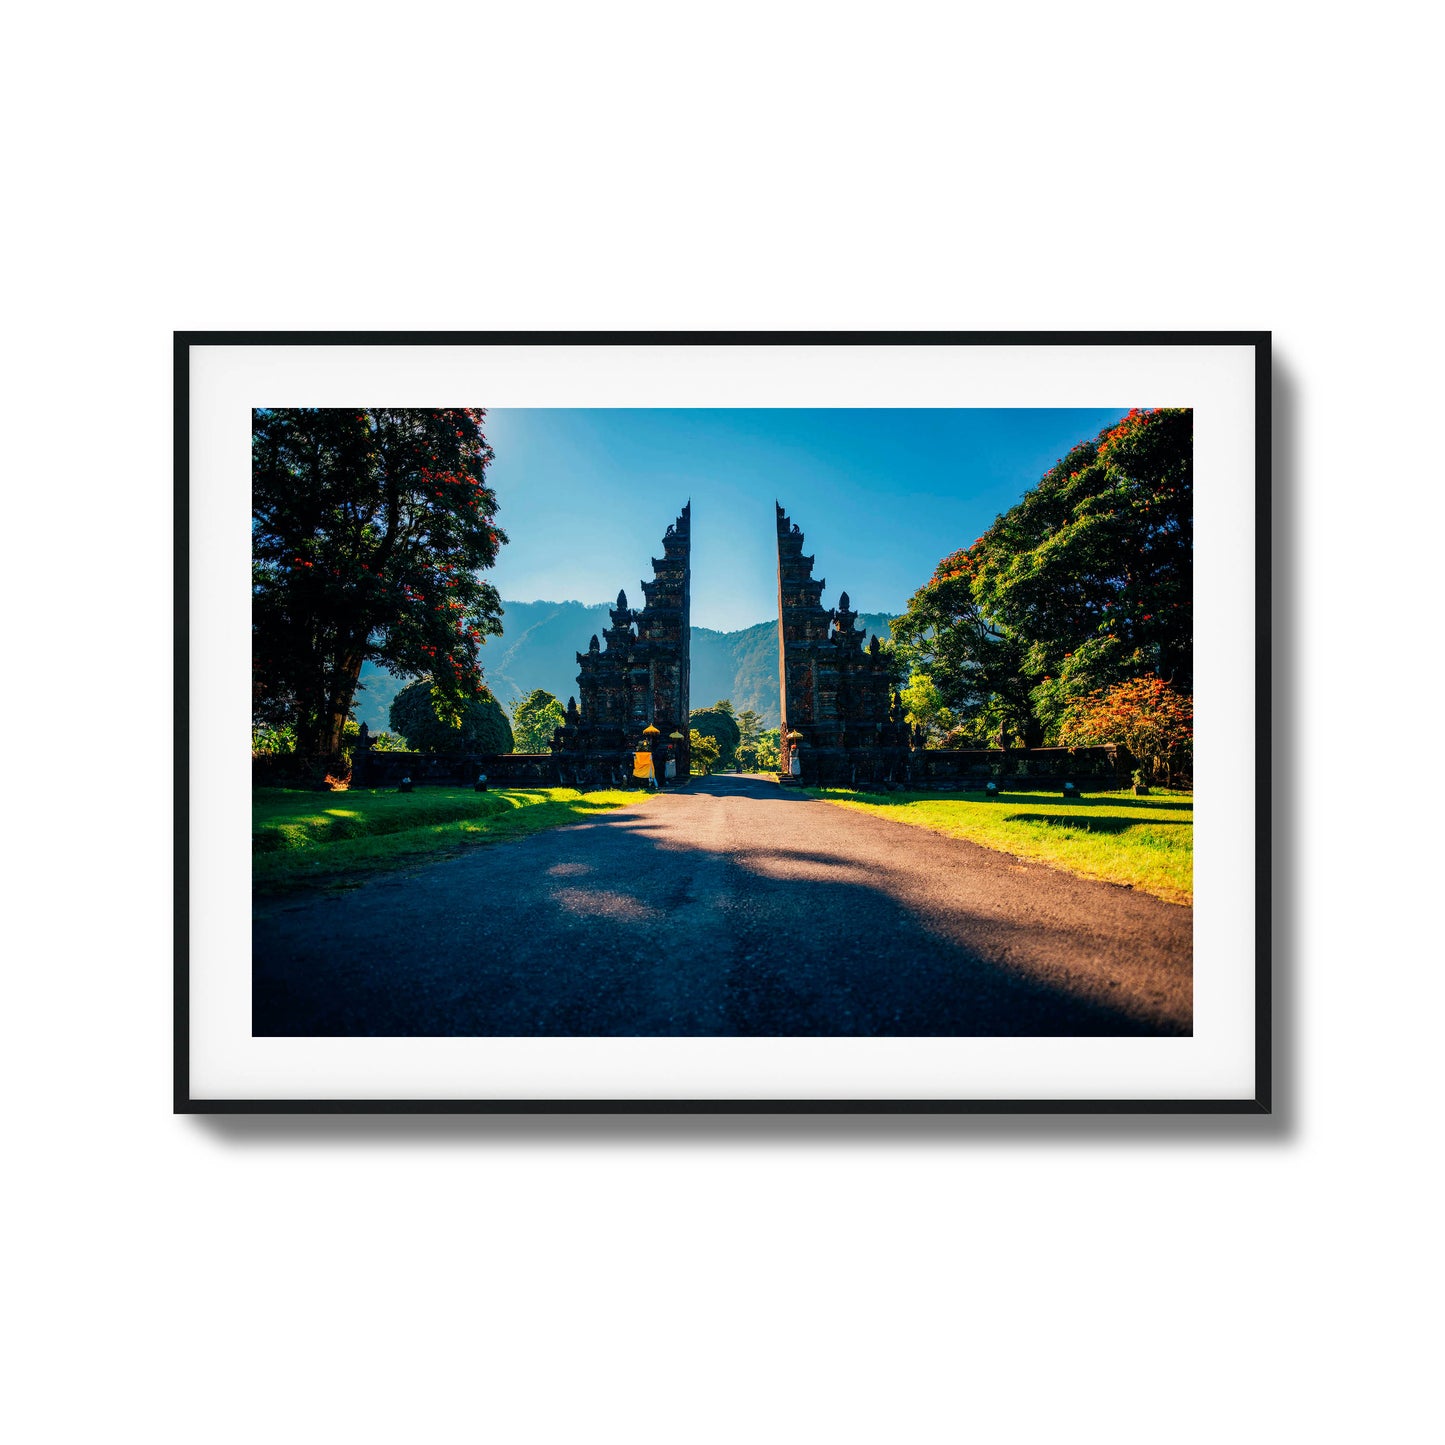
(733, 907)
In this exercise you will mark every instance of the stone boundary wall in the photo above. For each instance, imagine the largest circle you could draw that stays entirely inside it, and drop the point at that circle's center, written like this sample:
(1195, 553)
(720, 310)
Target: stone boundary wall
(375, 769)
(595, 769)
(1099, 768)
(997, 764)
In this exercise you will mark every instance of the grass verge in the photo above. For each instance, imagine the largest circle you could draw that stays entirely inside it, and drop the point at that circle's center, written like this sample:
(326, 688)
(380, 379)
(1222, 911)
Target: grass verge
(306, 840)
(1147, 843)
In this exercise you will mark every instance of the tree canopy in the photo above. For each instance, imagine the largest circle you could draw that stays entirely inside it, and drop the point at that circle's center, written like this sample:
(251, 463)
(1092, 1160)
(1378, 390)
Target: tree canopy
(534, 719)
(1086, 583)
(718, 723)
(429, 724)
(924, 709)
(702, 752)
(761, 754)
(757, 749)
(369, 528)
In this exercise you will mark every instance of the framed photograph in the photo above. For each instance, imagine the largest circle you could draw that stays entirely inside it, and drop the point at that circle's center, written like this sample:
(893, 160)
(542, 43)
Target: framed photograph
(722, 722)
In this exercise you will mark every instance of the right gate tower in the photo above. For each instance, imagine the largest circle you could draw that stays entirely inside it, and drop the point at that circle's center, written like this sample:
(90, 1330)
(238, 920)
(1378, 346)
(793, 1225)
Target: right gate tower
(842, 718)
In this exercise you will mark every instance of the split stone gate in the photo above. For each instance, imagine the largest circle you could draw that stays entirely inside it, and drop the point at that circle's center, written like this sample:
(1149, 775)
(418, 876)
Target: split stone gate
(842, 719)
(842, 716)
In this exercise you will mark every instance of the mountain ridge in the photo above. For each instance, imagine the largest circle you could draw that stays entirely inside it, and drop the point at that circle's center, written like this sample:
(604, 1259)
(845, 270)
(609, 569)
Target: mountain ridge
(540, 641)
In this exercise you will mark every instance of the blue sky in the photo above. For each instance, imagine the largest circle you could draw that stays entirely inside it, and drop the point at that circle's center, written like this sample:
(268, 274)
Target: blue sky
(881, 495)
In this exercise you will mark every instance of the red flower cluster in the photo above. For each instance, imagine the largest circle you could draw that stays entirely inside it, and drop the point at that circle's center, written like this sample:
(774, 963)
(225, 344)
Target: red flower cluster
(960, 564)
(1133, 422)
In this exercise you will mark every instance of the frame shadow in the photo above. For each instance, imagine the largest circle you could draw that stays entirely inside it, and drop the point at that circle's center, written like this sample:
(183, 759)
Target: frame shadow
(1280, 1128)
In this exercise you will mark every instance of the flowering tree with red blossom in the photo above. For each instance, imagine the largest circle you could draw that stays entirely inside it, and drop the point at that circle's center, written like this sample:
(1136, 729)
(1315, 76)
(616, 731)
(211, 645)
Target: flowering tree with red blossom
(369, 529)
(1095, 566)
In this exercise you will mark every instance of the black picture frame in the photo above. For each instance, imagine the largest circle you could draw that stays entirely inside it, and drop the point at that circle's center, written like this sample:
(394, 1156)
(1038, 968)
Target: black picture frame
(1261, 1102)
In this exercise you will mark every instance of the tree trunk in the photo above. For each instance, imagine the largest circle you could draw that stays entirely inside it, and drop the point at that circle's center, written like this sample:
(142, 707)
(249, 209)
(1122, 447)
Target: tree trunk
(338, 707)
(310, 729)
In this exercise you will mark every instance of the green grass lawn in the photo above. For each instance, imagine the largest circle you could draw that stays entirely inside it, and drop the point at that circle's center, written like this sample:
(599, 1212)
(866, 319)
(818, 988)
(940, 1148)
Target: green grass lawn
(303, 840)
(1147, 843)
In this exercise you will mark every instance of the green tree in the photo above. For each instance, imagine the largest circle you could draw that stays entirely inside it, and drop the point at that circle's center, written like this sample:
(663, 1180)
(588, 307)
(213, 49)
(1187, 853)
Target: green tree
(923, 708)
(975, 667)
(704, 753)
(369, 529)
(429, 724)
(750, 727)
(766, 756)
(718, 723)
(534, 719)
(272, 741)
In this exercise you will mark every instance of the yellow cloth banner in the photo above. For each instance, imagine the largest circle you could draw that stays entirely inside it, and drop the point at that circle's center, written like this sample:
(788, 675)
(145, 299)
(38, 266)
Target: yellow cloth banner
(642, 765)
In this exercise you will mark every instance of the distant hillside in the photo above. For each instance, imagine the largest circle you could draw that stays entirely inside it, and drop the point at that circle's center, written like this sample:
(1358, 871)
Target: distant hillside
(537, 648)
(540, 640)
(743, 665)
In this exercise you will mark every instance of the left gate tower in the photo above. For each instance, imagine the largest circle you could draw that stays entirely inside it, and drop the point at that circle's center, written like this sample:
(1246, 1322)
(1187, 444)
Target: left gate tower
(640, 678)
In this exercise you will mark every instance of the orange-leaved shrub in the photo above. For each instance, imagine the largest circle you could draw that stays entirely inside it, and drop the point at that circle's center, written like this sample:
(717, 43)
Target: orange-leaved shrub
(1149, 717)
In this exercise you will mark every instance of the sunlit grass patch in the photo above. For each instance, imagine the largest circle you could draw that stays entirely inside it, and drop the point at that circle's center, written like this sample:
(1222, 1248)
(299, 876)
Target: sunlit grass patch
(1146, 843)
(305, 840)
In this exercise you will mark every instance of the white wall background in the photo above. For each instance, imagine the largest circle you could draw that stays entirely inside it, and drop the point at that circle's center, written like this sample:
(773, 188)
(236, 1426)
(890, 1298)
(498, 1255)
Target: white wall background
(836, 166)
